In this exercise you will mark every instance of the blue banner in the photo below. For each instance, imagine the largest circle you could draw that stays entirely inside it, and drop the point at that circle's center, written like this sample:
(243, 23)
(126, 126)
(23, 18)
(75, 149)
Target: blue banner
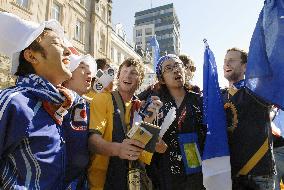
(213, 114)
(154, 43)
(265, 67)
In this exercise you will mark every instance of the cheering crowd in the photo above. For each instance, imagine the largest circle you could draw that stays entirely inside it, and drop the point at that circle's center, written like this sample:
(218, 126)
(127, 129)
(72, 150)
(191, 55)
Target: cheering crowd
(65, 125)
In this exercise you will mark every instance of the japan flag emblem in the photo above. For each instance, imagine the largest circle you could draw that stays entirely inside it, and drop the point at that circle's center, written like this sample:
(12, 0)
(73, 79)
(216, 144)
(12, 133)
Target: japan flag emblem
(80, 115)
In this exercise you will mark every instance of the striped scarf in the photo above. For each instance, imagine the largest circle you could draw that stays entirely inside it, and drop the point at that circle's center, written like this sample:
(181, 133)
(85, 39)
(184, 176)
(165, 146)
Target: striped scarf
(56, 100)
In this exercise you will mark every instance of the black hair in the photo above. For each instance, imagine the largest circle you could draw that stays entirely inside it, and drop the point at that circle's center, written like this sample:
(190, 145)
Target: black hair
(25, 67)
(102, 63)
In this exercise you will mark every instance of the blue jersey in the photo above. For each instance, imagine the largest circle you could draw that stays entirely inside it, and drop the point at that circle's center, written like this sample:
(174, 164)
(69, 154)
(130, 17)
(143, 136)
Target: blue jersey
(31, 148)
(76, 137)
(32, 144)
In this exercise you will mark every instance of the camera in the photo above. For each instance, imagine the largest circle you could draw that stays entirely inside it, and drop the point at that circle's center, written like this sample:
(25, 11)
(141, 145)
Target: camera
(103, 79)
(110, 71)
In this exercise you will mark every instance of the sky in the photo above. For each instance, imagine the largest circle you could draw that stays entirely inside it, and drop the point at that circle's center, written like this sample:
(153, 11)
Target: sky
(224, 23)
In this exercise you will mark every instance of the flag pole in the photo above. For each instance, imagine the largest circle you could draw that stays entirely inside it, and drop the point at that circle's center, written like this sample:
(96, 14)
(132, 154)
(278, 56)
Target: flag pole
(205, 43)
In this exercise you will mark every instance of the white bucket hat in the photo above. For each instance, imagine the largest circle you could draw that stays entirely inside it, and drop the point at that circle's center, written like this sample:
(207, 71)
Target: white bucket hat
(75, 61)
(76, 58)
(16, 34)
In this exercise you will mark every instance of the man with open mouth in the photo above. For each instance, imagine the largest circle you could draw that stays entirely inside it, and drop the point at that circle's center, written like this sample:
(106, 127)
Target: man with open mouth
(180, 166)
(112, 116)
(83, 68)
(32, 143)
(249, 129)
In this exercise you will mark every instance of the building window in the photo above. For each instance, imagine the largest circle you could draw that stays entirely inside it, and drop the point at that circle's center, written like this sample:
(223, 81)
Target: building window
(138, 40)
(97, 41)
(109, 16)
(148, 39)
(23, 3)
(103, 13)
(82, 2)
(148, 31)
(112, 54)
(138, 32)
(102, 42)
(118, 57)
(79, 31)
(56, 12)
(97, 7)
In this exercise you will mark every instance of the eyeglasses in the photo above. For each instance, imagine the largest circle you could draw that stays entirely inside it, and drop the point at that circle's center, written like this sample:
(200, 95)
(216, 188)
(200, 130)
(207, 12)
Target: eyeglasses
(232, 60)
(171, 67)
(191, 68)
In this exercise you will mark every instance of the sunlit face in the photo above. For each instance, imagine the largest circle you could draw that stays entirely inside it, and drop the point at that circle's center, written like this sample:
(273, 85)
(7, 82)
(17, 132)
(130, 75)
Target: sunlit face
(128, 80)
(233, 67)
(189, 70)
(173, 73)
(81, 79)
(53, 65)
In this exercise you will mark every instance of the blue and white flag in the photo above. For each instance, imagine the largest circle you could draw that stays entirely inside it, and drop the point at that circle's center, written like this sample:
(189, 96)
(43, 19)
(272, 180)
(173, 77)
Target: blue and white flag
(265, 67)
(154, 43)
(216, 166)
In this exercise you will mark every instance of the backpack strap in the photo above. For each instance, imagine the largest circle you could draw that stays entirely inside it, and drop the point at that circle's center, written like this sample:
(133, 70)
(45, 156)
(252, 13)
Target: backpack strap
(254, 159)
(120, 105)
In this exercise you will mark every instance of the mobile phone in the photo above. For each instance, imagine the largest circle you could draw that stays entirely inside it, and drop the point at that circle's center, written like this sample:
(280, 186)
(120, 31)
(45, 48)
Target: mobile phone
(144, 110)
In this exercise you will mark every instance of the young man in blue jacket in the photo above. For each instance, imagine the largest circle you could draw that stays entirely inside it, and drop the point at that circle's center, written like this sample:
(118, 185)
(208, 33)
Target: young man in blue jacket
(32, 143)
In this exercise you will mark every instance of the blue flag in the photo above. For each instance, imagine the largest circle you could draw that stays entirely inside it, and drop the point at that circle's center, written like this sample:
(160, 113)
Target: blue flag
(265, 67)
(154, 43)
(216, 166)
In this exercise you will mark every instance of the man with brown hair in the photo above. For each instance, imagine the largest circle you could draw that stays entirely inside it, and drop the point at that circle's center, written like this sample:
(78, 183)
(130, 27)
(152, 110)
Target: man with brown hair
(188, 65)
(249, 129)
(235, 65)
(111, 150)
(189, 72)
